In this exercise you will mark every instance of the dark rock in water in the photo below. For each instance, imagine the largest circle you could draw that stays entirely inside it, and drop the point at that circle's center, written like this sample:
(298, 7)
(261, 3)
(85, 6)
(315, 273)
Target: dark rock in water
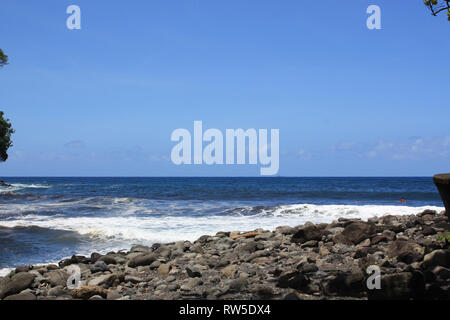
(294, 280)
(142, 260)
(23, 296)
(4, 184)
(359, 231)
(16, 284)
(349, 284)
(405, 251)
(399, 286)
(306, 234)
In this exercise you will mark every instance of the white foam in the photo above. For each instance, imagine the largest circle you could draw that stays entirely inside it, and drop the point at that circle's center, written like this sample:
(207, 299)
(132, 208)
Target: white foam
(150, 229)
(5, 271)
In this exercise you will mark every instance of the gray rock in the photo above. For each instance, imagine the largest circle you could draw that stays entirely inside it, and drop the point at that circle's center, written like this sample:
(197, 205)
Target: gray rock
(99, 266)
(21, 296)
(193, 272)
(57, 278)
(16, 284)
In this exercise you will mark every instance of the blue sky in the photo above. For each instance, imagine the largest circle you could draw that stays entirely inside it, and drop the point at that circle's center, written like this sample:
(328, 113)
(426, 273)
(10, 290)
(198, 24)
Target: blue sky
(104, 100)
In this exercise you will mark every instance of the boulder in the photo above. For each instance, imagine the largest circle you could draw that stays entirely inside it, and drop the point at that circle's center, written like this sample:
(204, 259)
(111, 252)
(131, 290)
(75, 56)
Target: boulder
(142, 260)
(16, 284)
(23, 296)
(405, 251)
(436, 258)
(306, 234)
(87, 292)
(350, 284)
(359, 231)
(295, 280)
(399, 286)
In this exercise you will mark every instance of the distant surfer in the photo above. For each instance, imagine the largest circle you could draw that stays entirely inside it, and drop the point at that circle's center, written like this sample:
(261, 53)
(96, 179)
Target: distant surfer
(402, 201)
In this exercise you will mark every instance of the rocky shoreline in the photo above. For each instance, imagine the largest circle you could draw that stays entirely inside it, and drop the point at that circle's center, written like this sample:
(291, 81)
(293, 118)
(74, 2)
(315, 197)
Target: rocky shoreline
(310, 262)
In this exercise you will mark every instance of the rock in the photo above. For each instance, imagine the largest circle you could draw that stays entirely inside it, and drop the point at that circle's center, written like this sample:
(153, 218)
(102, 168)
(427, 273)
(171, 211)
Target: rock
(113, 295)
(238, 284)
(229, 271)
(141, 249)
(142, 260)
(96, 297)
(436, 258)
(264, 292)
(191, 284)
(295, 280)
(95, 256)
(306, 234)
(21, 296)
(291, 296)
(133, 279)
(405, 251)
(350, 284)
(428, 231)
(23, 269)
(107, 279)
(399, 286)
(99, 266)
(56, 291)
(193, 272)
(16, 284)
(108, 259)
(359, 231)
(310, 244)
(285, 230)
(164, 269)
(87, 292)
(57, 278)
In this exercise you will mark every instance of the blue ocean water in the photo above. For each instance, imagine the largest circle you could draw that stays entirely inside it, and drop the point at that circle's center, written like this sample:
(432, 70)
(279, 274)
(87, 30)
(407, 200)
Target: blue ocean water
(47, 219)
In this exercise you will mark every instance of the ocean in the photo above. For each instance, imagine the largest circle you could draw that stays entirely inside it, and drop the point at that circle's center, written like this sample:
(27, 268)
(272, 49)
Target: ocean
(43, 220)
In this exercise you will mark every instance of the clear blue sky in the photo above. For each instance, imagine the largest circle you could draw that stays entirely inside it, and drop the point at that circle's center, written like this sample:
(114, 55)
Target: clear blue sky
(105, 99)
